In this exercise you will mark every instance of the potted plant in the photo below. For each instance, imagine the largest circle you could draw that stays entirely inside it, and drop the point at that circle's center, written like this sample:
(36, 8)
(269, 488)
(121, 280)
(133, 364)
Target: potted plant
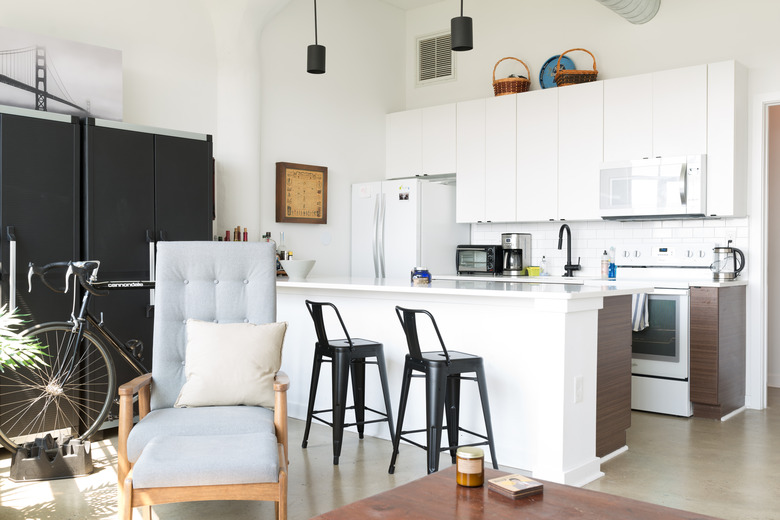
(17, 350)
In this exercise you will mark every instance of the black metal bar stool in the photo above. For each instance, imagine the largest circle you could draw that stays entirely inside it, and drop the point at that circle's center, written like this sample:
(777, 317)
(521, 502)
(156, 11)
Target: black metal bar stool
(347, 356)
(443, 371)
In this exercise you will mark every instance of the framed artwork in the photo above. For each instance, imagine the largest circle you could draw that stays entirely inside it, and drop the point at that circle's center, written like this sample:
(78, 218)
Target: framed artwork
(301, 193)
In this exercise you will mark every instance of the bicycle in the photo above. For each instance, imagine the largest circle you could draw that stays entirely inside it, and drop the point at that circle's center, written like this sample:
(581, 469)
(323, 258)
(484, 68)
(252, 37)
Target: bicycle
(72, 394)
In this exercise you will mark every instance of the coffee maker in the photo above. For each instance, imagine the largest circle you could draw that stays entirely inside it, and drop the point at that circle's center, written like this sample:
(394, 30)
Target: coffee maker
(517, 253)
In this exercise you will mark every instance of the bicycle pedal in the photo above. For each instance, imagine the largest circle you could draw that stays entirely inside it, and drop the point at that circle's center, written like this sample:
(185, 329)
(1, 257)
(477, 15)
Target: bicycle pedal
(136, 348)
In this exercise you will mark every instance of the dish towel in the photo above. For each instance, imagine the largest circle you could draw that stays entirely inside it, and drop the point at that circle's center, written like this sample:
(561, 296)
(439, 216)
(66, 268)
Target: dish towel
(639, 315)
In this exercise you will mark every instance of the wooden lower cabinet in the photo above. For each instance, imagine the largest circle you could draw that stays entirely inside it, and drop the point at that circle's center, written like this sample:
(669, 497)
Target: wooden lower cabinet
(717, 373)
(613, 376)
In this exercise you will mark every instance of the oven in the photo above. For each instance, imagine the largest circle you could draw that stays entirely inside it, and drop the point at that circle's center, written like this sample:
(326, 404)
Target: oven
(660, 355)
(660, 350)
(478, 259)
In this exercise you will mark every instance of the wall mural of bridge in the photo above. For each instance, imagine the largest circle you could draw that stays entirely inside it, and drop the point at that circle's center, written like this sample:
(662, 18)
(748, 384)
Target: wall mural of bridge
(45, 73)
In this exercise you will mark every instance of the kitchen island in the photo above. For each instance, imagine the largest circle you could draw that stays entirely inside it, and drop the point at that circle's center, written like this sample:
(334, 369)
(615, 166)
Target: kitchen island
(539, 343)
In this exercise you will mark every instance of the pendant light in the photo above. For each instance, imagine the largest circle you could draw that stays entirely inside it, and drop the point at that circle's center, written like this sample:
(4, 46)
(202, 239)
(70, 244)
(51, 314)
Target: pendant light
(315, 56)
(461, 32)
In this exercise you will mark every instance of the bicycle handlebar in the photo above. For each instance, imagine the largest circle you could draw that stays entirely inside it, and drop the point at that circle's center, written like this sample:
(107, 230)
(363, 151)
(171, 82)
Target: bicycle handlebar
(81, 270)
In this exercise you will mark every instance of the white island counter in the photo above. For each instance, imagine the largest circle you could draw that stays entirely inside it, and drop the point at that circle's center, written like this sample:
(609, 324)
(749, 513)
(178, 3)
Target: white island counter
(538, 341)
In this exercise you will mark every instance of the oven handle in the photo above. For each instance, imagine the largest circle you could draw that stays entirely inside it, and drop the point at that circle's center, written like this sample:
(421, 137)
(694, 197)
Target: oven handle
(671, 291)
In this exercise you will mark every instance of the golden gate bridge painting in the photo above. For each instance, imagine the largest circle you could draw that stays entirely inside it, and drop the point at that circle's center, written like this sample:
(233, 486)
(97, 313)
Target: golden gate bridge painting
(54, 75)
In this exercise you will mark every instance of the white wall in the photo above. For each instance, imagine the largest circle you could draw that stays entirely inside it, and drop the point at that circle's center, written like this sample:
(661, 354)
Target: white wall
(167, 48)
(336, 119)
(683, 33)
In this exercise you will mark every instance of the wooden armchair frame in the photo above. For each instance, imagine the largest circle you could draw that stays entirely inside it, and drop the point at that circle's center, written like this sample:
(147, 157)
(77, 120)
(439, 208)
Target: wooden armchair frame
(130, 498)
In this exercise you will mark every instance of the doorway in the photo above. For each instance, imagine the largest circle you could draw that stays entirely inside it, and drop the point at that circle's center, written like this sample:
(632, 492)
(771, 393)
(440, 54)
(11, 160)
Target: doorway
(773, 244)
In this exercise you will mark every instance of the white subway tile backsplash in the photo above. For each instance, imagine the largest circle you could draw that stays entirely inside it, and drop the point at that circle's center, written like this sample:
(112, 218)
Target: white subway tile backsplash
(591, 238)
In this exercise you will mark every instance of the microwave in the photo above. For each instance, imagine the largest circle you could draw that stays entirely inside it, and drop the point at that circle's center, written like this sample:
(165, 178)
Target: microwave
(664, 187)
(478, 259)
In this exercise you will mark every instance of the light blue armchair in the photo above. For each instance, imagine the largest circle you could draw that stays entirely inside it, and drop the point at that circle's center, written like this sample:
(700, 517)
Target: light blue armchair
(202, 451)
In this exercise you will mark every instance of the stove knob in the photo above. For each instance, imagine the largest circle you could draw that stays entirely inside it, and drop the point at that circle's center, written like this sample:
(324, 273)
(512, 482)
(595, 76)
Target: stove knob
(626, 254)
(702, 253)
(689, 254)
(637, 254)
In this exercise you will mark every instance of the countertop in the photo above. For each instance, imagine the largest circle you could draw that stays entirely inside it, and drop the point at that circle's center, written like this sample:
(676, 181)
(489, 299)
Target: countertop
(693, 281)
(461, 286)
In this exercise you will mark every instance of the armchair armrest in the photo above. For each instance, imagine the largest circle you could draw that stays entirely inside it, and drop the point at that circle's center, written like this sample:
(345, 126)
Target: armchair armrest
(141, 385)
(281, 385)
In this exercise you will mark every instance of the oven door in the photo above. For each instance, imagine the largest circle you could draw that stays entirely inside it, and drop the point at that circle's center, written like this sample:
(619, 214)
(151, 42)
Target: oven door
(662, 349)
(475, 259)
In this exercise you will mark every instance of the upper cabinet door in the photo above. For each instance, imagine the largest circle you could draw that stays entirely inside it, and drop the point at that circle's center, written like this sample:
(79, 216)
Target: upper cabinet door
(183, 188)
(680, 111)
(40, 200)
(470, 170)
(403, 144)
(580, 150)
(537, 155)
(500, 158)
(119, 202)
(439, 139)
(628, 118)
(727, 139)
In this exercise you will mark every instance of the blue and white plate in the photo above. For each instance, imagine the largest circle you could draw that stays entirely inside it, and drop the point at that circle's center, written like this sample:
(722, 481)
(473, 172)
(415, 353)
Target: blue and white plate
(548, 70)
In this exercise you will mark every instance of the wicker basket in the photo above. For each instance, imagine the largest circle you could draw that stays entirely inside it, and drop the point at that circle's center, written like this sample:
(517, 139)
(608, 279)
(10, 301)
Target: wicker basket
(574, 76)
(505, 86)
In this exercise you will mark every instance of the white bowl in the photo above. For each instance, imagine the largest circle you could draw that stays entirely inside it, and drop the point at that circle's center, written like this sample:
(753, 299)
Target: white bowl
(297, 270)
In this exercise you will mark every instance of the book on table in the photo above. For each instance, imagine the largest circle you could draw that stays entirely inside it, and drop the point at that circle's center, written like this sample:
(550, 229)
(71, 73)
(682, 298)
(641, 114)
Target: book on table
(515, 486)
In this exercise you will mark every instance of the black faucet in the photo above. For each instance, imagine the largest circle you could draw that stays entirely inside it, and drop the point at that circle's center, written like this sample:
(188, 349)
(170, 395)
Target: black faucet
(568, 267)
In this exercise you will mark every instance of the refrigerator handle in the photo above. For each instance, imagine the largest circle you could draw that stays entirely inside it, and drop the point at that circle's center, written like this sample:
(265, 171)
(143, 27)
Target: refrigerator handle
(11, 268)
(382, 207)
(152, 265)
(375, 236)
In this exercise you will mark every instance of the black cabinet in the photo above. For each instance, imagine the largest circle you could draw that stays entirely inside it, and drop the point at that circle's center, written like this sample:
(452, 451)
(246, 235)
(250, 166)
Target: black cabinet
(140, 186)
(39, 206)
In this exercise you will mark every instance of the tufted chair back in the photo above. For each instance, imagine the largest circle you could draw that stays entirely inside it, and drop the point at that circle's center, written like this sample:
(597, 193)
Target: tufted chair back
(224, 282)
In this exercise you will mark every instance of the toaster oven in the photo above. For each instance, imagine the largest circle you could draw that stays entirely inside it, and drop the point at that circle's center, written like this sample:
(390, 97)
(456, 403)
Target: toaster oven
(478, 259)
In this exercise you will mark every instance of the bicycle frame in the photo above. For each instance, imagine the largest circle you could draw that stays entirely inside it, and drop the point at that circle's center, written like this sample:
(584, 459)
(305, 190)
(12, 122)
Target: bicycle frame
(86, 317)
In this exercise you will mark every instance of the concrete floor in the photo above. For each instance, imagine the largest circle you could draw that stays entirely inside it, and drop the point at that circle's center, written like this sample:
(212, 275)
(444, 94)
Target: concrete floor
(726, 469)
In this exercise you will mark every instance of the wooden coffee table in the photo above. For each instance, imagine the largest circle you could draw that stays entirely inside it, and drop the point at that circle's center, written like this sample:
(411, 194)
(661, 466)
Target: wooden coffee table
(439, 496)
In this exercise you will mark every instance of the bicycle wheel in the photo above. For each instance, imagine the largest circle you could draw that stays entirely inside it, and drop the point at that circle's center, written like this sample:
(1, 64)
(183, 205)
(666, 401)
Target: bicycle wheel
(70, 396)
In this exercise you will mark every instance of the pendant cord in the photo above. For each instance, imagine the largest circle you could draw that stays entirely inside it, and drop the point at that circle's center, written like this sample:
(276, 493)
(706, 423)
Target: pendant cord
(461, 7)
(315, 21)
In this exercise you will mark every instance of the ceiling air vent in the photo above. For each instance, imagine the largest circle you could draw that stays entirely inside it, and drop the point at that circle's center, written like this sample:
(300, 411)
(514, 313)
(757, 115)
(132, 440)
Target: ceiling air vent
(434, 59)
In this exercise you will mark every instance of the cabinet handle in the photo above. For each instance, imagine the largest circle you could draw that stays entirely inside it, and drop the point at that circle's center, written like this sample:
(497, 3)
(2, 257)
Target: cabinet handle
(152, 273)
(11, 268)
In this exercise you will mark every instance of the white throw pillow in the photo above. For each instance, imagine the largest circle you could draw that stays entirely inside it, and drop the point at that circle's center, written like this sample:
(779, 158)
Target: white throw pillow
(231, 363)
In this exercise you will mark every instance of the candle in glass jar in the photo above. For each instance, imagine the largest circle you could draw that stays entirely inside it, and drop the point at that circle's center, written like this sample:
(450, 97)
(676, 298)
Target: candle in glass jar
(470, 467)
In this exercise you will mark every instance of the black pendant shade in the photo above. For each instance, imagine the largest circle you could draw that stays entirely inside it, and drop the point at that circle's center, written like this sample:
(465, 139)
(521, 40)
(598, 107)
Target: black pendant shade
(461, 33)
(315, 55)
(315, 59)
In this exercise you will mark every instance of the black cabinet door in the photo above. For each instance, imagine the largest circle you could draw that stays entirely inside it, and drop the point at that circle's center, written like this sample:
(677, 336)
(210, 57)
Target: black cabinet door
(119, 199)
(183, 188)
(39, 199)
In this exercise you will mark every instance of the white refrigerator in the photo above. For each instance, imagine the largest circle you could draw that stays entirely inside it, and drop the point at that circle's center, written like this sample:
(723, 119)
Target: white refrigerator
(401, 224)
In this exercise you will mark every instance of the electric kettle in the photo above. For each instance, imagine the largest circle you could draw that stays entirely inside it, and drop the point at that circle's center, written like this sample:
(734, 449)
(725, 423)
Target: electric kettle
(725, 266)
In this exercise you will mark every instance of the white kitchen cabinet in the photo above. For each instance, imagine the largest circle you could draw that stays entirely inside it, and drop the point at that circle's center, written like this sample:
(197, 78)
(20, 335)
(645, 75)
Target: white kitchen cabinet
(500, 158)
(420, 142)
(470, 169)
(680, 111)
(438, 139)
(628, 118)
(537, 155)
(403, 145)
(580, 150)
(727, 139)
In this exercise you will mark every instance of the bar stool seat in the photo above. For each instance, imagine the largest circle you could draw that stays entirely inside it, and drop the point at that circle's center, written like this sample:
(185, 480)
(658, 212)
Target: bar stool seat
(347, 356)
(443, 371)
